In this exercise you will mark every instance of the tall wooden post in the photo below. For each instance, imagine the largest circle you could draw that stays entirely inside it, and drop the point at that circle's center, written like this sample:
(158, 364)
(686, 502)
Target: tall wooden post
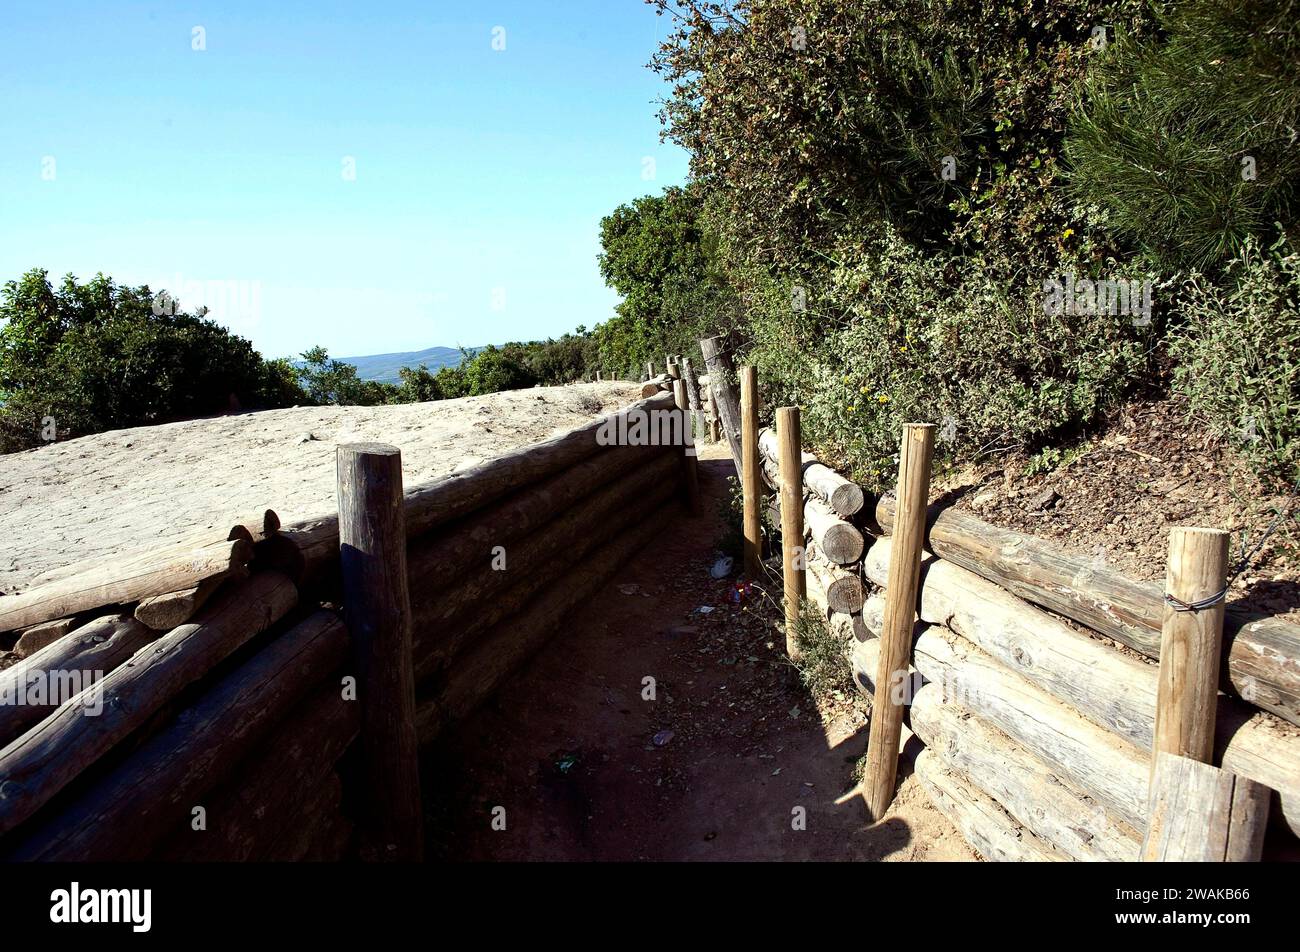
(690, 464)
(649, 370)
(693, 398)
(722, 374)
(377, 611)
(714, 433)
(1190, 640)
(916, 454)
(792, 544)
(750, 481)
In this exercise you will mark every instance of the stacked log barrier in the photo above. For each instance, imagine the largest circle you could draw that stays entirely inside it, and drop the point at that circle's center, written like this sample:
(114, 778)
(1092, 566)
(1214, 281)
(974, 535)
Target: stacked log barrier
(221, 738)
(1262, 651)
(1025, 708)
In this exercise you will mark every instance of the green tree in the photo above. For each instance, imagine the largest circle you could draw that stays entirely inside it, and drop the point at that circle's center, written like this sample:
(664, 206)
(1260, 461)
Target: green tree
(97, 356)
(657, 254)
(329, 381)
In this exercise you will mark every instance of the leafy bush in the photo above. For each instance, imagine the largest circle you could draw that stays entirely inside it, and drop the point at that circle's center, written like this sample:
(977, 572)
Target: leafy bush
(875, 288)
(84, 358)
(1238, 358)
(934, 337)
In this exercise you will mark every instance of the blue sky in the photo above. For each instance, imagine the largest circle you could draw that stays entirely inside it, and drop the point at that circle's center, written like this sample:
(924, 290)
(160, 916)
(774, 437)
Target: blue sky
(480, 175)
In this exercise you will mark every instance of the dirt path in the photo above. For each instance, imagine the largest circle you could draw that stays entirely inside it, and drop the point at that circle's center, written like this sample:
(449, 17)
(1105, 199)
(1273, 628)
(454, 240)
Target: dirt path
(568, 747)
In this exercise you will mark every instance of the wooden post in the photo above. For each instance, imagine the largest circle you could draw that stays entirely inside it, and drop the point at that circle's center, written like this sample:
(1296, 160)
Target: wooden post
(649, 370)
(722, 373)
(900, 614)
(377, 611)
(751, 482)
(714, 433)
(690, 465)
(792, 545)
(1187, 697)
(693, 398)
(1202, 814)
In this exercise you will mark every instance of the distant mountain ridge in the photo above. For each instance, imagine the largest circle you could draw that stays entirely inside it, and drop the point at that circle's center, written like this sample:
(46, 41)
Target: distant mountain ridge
(384, 367)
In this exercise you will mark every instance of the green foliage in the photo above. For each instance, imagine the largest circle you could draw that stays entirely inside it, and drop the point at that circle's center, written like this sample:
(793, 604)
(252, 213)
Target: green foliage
(96, 356)
(658, 255)
(1188, 144)
(1238, 358)
(329, 381)
(934, 337)
(824, 663)
(876, 289)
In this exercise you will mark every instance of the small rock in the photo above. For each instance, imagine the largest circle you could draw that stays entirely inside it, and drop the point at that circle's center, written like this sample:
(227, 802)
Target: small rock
(984, 499)
(305, 438)
(662, 738)
(1045, 500)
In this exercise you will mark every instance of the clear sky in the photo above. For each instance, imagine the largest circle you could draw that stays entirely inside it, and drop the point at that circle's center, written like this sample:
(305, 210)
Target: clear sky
(372, 177)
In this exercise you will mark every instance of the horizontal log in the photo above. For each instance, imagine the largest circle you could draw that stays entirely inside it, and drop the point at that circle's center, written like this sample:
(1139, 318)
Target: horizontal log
(441, 558)
(123, 814)
(514, 641)
(167, 570)
(165, 612)
(1036, 797)
(836, 539)
(62, 669)
(1201, 814)
(306, 549)
(1262, 652)
(33, 639)
(1096, 761)
(988, 828)
(844, 497)
(265, 790)
(1110, 689)
(656, 385)
(445, 621)
(842, 588)
(252, 529)
(44, 760)
(256, 529)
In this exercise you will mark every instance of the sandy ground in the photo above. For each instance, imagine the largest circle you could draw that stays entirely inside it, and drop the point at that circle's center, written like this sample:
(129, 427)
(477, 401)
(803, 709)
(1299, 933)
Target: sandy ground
(713, 768)
(129, 489)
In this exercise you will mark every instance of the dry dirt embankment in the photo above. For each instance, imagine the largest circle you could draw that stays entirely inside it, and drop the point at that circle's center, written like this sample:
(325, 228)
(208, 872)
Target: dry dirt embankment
(126, 489)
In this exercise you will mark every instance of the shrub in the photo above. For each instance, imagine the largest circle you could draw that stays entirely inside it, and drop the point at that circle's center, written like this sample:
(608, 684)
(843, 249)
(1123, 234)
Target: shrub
(1238, 356)
(901, 335)
(97, 356)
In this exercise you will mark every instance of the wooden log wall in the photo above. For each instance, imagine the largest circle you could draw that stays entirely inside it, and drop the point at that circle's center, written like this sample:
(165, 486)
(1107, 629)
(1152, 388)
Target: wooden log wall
(218, 734)
(1038, 733)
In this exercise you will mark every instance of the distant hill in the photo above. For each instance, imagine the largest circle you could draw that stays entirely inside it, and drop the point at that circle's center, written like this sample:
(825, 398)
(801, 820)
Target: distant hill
(384, 367)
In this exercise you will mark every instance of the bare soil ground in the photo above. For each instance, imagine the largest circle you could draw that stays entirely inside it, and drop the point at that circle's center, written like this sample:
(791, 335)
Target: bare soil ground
(1117, 495)
(130, 489)
(714, 767)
